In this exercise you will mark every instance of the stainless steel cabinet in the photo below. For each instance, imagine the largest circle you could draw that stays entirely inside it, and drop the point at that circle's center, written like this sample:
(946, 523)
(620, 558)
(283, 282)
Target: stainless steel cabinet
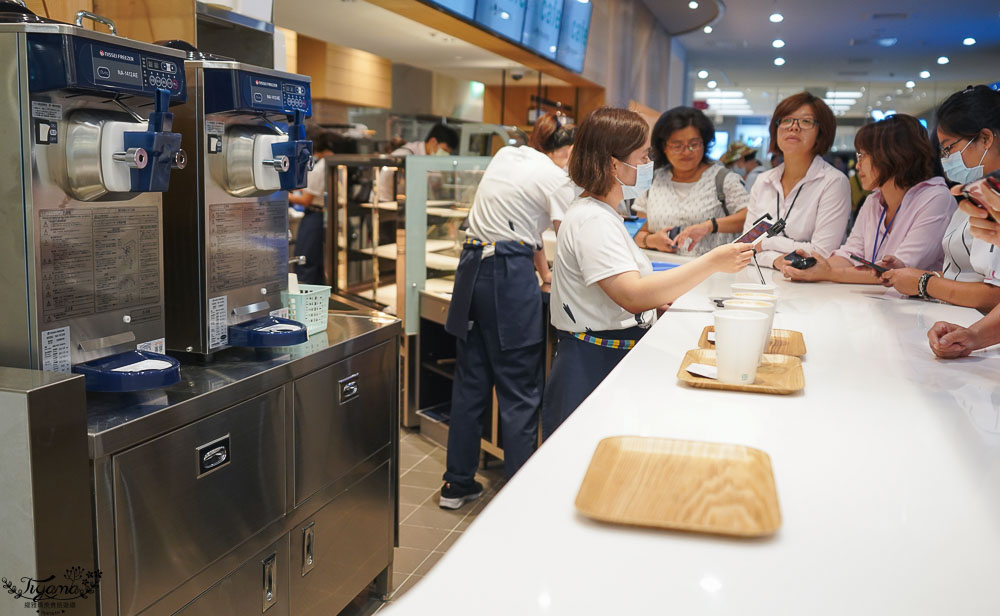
(267, 571)
(190, 496)
(343, 546)
(342, 415)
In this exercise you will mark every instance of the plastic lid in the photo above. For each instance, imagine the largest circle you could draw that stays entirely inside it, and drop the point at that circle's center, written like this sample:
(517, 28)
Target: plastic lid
(130, 371)
(268, 331)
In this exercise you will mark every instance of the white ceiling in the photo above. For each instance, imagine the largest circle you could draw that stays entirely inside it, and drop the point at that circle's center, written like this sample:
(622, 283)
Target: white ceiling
(833, 46)
(360, 25)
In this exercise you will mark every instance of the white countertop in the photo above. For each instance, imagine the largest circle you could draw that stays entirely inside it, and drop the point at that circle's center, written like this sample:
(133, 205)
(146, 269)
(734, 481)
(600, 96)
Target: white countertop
(887, 468)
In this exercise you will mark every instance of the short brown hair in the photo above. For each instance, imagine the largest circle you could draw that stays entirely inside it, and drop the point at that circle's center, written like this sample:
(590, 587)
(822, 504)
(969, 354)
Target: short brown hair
(826, 125)
(899, 148)
(606, 133)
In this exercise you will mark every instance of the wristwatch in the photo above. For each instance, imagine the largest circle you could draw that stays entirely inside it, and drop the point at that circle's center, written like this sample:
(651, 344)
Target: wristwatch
(715, 226)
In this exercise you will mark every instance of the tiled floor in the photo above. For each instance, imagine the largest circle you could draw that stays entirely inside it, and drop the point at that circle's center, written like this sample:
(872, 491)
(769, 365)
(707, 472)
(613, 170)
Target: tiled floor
(425, 530)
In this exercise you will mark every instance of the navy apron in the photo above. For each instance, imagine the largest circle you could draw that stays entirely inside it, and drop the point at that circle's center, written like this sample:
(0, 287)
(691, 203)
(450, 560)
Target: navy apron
(517, 298)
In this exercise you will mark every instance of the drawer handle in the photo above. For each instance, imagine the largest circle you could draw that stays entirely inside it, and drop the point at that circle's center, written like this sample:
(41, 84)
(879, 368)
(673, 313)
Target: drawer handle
(270, 590)
(349, 388)
(213, 456)
(308, 548)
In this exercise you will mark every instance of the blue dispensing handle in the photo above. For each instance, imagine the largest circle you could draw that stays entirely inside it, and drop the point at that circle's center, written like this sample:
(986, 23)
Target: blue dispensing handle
(299, 152)
(112, 373)
(268, 331)
(163, 148)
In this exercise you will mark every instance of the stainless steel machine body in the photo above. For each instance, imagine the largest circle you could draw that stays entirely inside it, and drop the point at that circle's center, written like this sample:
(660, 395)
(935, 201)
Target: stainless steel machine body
(81, 263)
(227, 223)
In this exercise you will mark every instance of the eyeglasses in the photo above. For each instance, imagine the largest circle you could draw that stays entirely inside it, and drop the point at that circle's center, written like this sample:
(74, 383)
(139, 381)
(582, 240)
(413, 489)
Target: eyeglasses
(946, 150)
(860, 156)
(691, 146)
(802, 123)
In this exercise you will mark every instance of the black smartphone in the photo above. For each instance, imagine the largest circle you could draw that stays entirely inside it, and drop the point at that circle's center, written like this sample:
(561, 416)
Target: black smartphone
(751, 236)
(673, 233)
(866, 262)
(799, 262)
(993, 183)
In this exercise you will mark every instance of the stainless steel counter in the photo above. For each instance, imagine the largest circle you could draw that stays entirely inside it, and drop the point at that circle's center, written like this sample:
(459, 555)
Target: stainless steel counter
(118, 421)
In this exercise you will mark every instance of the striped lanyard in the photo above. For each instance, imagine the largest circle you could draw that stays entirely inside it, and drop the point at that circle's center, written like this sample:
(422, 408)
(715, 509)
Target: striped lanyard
(471, 241)
(606, 342)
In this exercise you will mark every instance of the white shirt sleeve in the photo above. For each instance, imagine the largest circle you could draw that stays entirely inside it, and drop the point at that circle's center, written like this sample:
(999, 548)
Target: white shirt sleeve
(601, 252)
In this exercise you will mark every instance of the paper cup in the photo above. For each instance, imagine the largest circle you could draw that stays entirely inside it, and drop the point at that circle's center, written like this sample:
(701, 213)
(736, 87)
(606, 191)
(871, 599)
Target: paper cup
(753, 287)
(738, 338)
(762, 306)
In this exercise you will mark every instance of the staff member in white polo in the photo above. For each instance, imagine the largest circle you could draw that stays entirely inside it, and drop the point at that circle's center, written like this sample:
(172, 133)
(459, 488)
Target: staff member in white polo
(496, 308)
(604, 292)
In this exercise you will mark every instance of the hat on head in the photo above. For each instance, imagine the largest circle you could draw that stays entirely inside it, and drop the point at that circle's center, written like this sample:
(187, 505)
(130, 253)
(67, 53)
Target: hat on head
(736, 151)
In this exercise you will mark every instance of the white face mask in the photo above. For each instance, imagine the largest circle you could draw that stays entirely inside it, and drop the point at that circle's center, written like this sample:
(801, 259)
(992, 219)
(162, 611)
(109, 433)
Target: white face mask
(957, 171)
(643, 180)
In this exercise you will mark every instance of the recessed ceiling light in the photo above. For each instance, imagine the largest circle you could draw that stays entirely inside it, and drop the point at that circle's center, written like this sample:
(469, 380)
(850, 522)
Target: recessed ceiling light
(777, 43)
(898, 91)
(911, 84)
(708, 29)
(712, 84)
(692, 5)
(779, 61)
(776, 18)
(843, 94)
(925, 74)
(888, 98)
(969, 41)
(702, 74)
(943, 60)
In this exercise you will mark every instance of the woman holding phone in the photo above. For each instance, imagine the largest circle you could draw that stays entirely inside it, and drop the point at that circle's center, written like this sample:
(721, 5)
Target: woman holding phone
(604, 292)
(905, 216)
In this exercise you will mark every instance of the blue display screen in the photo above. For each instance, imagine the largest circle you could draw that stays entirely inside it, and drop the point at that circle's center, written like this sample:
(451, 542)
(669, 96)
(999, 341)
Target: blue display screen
(541, 26)
(575, 27)
(465, 8)
(505, 17)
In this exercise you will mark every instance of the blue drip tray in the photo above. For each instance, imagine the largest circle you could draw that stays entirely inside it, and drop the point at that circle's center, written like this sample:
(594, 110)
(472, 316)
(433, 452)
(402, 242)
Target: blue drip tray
(268, 331)
(130, 371)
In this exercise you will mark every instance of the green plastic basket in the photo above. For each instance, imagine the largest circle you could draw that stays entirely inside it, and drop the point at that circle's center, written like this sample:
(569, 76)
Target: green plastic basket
(309, 306)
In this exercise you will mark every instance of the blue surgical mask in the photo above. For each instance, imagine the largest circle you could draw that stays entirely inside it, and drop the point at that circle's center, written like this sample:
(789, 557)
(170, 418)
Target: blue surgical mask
(740, 170)
(957, 171)
(643, 180)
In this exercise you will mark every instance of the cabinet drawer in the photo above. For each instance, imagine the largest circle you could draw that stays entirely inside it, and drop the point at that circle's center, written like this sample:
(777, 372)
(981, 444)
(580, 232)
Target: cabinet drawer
(342, 414)
(337, 552)
(434, 308)
(186, 498)
(260, 586)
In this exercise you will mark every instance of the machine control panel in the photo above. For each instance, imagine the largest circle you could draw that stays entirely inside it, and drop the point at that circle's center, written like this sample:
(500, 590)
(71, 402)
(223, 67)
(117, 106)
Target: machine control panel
(234, 90)
(64, 62)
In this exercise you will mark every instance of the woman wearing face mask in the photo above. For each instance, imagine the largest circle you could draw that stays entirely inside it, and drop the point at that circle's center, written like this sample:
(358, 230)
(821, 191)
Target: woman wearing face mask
(496, 307)
(809, 194)
(604, 292)
(906, 215)
(689, 190)
(969, 130)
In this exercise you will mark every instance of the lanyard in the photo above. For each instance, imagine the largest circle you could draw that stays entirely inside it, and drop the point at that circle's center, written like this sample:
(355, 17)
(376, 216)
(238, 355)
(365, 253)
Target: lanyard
(777, 207)
(881, 243)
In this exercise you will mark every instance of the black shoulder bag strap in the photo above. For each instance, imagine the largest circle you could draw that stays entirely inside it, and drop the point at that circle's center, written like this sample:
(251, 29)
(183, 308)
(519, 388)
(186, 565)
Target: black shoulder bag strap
(720, 190)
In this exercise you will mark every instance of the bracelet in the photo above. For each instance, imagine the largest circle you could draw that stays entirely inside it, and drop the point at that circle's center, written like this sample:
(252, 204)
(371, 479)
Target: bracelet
(922, 285)
(715, 226)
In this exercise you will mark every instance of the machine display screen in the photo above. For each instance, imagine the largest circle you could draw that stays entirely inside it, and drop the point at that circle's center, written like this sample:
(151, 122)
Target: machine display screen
(505, 17)
(573, 34)
(117, 67)
(266, 92)
(541, 26)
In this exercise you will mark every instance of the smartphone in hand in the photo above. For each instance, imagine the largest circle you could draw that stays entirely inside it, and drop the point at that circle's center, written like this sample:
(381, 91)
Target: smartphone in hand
(799, 262)
(867, 263)
(992, 182)
(754, 233)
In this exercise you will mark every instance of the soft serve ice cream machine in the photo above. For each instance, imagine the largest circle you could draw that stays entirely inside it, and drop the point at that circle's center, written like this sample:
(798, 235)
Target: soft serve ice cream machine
(89, 149)
(227, 221)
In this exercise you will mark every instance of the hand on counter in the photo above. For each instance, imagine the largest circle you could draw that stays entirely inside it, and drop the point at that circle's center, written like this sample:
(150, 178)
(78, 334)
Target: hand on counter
(891, 262)
(816, 273)
(661, 241)
(981, 226)
(903, 279)
(950, 341)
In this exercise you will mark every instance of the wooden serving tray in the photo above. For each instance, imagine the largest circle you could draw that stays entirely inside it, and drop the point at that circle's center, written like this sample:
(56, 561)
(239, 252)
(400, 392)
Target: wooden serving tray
(684, 485)
(777, 374)
(783, 342)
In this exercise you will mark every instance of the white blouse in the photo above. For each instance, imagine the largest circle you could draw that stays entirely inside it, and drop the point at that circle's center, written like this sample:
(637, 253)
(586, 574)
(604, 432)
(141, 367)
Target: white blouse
(820, 205)
(668, 204)
(966, 259)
